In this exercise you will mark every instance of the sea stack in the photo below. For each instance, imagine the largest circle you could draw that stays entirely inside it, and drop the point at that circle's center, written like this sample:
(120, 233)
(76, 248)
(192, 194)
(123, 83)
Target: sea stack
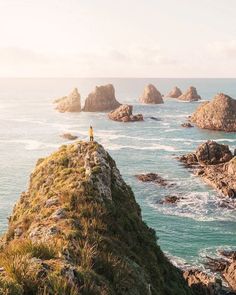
(190, 95)
(217, 114)
(102, 99)
(79, 228)
(124, 113)
(174, 93)
(151, 95)
(70, 103)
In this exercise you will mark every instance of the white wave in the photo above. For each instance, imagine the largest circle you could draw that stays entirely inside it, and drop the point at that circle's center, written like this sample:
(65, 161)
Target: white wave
(201, 206)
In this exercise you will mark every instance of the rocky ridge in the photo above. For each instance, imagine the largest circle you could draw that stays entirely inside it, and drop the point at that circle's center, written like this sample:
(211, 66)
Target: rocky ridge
(78, 230)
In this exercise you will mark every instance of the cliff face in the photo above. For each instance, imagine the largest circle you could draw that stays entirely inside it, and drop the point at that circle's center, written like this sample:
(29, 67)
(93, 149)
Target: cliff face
(79, 230)
(102, 99)
(218, 114)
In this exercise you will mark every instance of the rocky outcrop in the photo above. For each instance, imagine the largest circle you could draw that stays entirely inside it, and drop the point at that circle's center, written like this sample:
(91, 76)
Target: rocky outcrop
(174, 93)
(69, 136)
(225, 264)
(217, 114)
(151, 95)
(70, 103)
(155, 178)
(124, 113)
(190, 95)
(102, 99)
(216, 165)
(78, 230)
(187, 125)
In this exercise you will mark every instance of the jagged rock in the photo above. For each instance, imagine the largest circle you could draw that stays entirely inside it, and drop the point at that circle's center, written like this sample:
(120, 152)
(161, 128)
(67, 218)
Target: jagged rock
(102, 99)
(151, 95)
(69, 136)
(170, 200)
(154, 177)
(124, 114)
(216, 165)
(174, 93)
(70, 103)
(190, 95)
(212, 153)
(217, 114)
(88, 238)
(229, 274)
(186, 125)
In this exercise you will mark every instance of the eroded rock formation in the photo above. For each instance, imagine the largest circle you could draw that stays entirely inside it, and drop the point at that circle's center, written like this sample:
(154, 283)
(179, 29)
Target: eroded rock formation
(174, 93)
(70, 103)
(190, 95)
(124, 113)
(151, 95)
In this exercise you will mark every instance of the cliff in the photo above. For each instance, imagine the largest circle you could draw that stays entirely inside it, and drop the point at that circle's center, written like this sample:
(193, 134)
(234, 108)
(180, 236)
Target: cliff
(78, 230)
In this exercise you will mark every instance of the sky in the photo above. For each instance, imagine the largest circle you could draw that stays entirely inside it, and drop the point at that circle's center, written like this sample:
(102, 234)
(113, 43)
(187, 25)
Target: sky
(124, 38)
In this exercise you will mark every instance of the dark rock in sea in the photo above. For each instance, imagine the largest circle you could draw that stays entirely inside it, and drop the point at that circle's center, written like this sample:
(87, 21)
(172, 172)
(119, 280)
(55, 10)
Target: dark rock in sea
(170, 200)
(154, 118)
(70, 103)
(217, 114)
(155, 178)
(174, 93)
(190, 95)
(69, 136)
(151, 95)
(124, 113)
(186, 125)
(216, 165)
(79, 230)
(102, 99)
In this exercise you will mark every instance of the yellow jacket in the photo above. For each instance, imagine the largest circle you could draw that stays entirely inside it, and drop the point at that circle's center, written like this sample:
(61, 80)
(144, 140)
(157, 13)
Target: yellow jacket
(90, 132)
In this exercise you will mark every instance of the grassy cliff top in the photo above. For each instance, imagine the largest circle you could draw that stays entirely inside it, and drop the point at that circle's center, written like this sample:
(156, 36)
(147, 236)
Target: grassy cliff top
(79, 230)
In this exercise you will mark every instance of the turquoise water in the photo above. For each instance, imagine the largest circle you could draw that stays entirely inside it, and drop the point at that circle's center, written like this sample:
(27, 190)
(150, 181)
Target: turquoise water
(30, 128)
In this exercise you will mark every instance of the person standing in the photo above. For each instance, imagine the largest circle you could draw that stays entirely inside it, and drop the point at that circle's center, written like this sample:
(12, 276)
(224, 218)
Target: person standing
(91, 133)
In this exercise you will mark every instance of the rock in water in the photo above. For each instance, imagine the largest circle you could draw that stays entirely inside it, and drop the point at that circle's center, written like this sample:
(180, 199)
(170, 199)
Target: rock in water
(151, 95)
(174, 93)
(70, 103)
(89, 238)
(124, 113)
(217, 114)
(102, 99)
(190, 95)
(186, 125)
(69, 136)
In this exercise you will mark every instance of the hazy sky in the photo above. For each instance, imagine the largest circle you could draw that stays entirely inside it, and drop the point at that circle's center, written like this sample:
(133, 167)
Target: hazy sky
(124, 38)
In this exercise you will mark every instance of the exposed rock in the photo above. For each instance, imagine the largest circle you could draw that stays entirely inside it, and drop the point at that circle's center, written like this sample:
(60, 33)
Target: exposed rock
(89, 238)
(70, 103)
(186, 125)
(170, 200)
(151, 95)
(154, 177)
(155, 118)
(216, 165)
(174, 93)
(69, 136)
(102, 99)
(190, 95)
(217, 114)
(225, 264)
(124, 113)
(212, 153)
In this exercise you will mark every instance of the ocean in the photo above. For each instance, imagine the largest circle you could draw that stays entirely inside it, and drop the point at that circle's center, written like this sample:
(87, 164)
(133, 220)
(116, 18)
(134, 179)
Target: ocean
(31, 129)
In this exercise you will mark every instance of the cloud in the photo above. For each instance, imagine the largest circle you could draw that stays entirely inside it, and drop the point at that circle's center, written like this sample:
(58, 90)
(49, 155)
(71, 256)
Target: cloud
(226, 49)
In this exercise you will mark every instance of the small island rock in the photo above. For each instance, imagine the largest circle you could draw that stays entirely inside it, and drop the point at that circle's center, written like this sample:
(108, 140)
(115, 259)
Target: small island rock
(124, 114)
(102, 99)
(151, 95)
(190, 95)
(218, 114)
(174, 93)
(70, 103)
